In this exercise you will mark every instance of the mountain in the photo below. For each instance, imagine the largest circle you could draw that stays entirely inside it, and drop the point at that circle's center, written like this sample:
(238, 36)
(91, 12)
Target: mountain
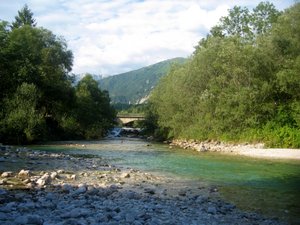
(135, 86)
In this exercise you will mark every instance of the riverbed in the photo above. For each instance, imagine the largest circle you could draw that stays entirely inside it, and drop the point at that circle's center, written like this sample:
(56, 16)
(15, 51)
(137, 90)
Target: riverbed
(270, 187)
(130, 173)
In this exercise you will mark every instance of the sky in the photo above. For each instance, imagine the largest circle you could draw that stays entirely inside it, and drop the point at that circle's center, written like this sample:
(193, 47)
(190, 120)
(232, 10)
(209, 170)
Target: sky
(109, 37)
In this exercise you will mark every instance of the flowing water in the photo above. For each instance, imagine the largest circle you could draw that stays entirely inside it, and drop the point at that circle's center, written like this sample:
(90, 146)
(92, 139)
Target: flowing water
(271, 187)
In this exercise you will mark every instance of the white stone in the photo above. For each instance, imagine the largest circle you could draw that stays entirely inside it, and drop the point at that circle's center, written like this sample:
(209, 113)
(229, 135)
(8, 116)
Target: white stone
(7, 174)
(53, 175)
(24, 173)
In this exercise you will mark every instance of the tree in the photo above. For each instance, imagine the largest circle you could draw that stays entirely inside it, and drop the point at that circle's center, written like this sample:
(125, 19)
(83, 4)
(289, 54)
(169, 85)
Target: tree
(4, 76)
(248, 25)
(23, 122)
(237, 22)
(94, 112)
(38, 98)
(24, 17)
(241, 83)
(264, 15)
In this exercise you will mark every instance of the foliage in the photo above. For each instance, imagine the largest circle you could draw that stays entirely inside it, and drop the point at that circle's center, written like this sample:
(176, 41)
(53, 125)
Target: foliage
(242, 82)
(24, 17)
(135, 86)
(93, 108)
(139, 109)
(22, 120)
(38, 98)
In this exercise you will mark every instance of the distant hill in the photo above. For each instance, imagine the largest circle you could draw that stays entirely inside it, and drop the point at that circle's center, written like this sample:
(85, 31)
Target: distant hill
(135, 86)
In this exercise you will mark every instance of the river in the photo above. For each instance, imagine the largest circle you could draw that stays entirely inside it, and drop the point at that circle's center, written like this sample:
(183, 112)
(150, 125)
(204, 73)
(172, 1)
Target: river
(270, 187)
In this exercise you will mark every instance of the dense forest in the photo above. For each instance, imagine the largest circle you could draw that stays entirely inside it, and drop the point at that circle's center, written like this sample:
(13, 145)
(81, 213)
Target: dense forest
(242, 83)
(39, 100)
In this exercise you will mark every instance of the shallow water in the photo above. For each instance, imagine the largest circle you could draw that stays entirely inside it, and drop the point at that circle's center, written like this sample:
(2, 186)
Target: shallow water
(271, 187)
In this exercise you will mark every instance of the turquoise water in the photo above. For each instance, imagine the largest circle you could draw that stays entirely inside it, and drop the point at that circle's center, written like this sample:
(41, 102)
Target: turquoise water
(267, 186)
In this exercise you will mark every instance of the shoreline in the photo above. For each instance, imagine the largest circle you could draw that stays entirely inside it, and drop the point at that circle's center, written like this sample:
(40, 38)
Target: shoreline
(43, 188)
(248, 150)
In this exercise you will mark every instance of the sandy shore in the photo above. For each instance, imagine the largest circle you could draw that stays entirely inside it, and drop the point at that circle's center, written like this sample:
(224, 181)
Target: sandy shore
(276, 153)
(250, 150)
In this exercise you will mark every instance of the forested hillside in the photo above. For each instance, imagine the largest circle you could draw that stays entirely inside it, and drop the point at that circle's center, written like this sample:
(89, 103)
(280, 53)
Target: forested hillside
(242, 82)
(38, 98)
(135, 86)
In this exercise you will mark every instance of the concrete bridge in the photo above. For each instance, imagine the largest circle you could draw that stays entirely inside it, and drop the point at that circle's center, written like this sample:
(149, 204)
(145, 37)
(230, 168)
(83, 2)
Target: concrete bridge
(128, 118)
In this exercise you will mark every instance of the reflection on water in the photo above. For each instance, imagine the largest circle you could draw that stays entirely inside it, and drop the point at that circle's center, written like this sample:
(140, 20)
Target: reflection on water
(268, 186)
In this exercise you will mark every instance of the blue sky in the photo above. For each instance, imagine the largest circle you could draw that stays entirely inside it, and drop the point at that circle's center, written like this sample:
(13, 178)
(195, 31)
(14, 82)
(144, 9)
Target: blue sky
(113, 36)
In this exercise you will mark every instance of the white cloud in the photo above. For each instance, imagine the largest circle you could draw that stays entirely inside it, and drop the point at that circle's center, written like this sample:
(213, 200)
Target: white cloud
(109, 37)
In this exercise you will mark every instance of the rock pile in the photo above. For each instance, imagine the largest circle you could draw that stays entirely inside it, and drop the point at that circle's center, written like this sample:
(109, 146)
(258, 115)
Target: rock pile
(213, 146)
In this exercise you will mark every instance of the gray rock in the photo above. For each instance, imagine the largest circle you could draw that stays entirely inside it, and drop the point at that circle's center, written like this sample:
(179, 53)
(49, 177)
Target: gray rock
(182, 193)
(50, 196)
(129, 217)
(75, 213)
(80, 190)
(149, 191)
(29, 219)
(26, 206)
(212, 210)
(73, 222)
(201, 199)
(67, 187)
(4, 216)
(35, 219)
(131, 195)
(21, 220)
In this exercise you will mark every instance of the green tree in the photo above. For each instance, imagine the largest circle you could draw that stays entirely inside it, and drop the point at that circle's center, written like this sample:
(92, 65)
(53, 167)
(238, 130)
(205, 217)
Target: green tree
(241, 83)
(248, 25)
(237, 22)
(24, 17)
(22, 121)
(94, 112)
(263, 17)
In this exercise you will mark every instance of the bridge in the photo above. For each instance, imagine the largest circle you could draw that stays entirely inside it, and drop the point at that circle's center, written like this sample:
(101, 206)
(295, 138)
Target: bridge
(128, 118)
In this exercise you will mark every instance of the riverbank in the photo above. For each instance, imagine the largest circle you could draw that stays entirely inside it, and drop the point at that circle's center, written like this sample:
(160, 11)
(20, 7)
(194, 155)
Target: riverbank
(46, 188)
(250, 150)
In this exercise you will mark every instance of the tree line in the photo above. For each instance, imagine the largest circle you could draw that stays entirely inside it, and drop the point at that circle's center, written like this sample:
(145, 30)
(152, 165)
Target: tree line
(39, 99)
(242, 83)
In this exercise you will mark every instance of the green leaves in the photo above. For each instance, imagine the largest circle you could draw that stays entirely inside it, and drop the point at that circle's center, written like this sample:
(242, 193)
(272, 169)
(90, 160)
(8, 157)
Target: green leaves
(24, 17)
(22, 121)
(38, 98)
(93, 110)
(245, 24)
(242, 82)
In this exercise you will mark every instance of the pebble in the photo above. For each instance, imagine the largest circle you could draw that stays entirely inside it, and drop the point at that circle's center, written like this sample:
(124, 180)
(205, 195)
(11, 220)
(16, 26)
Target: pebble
(212, 210)
(80, 190)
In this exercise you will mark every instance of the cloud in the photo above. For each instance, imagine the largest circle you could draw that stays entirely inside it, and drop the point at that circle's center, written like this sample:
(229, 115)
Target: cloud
(109, 37)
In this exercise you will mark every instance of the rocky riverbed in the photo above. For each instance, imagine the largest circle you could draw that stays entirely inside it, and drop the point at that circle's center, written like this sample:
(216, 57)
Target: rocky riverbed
(39, 187)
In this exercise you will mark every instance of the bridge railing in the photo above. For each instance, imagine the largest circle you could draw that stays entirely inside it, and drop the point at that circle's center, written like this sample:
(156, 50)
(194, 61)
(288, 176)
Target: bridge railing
(131, 116)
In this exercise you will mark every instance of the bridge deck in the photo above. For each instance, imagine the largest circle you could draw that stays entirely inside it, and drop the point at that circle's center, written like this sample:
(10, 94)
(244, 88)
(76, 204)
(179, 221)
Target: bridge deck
(131, 116)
